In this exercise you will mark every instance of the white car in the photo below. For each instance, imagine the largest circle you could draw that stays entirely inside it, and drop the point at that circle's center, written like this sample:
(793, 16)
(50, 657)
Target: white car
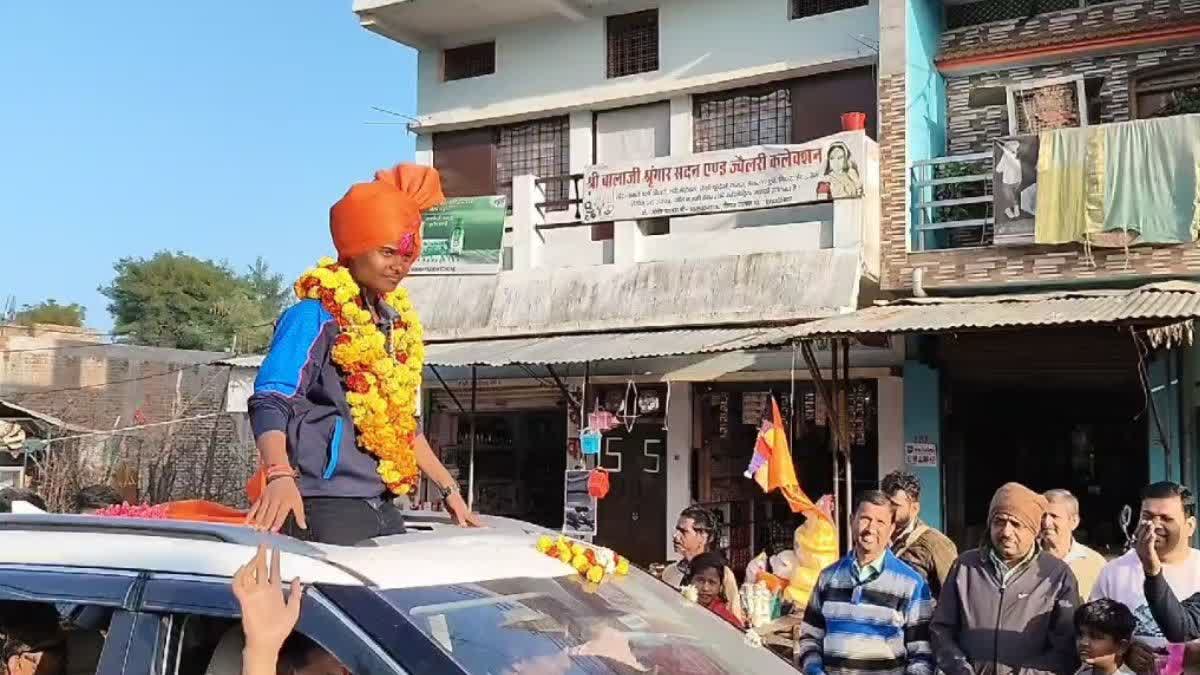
(153, 597)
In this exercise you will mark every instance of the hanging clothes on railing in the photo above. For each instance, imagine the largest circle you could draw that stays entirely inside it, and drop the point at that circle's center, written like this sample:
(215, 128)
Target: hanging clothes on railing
(1120, 184)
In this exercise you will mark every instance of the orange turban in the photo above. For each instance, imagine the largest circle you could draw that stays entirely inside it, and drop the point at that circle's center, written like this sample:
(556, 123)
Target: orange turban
(386, 211)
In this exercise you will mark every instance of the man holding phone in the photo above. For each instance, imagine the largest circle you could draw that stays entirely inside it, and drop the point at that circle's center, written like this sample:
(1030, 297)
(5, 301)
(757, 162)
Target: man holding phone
(1162, 568)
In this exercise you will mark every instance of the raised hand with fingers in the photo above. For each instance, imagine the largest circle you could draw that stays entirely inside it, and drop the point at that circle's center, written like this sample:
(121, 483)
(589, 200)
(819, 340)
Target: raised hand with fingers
(268, 618)
(1146, 545)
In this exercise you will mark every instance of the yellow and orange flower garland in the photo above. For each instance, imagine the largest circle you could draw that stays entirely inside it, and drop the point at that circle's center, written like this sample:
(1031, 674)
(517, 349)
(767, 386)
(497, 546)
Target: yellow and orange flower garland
(593, 563)
(381, 387)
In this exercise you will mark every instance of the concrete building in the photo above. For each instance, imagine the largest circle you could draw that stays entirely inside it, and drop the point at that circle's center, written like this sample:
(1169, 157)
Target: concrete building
(1060, 361)
(679, 318)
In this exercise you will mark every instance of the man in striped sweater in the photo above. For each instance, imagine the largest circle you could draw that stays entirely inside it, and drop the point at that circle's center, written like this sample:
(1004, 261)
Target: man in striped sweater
(869, 612)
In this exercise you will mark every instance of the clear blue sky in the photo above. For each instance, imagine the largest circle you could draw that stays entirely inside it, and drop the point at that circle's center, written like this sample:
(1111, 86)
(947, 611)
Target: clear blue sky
(220, 128)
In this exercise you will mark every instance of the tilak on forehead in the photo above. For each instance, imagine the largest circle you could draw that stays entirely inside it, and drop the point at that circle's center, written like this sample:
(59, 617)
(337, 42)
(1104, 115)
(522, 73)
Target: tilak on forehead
(386, 211)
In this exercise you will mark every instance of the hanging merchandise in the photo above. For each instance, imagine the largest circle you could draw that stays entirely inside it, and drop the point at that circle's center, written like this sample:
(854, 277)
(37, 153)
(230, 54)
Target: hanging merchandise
(648, 402)
(628, 412)
(602, 420)
(589, 440)
(598, 483)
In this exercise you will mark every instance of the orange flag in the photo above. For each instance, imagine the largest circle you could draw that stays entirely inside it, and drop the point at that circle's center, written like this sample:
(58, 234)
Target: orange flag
(771, 465)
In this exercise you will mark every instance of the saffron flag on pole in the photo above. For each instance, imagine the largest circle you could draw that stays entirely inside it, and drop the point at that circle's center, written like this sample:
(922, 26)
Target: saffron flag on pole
(771, 464)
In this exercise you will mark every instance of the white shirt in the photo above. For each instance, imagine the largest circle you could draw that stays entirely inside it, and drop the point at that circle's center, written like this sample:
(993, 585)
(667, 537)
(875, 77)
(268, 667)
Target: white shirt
(1122, 580)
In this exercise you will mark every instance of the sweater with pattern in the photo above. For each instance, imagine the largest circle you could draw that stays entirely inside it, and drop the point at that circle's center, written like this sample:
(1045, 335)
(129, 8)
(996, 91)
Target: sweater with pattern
(867, 623)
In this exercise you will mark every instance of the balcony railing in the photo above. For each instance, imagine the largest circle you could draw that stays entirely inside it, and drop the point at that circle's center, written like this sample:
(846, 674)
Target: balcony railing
(952, 202)
(560, 193)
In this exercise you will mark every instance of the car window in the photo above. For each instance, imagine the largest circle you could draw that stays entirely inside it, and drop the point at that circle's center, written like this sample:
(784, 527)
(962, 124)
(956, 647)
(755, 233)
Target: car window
(51, 638)
(61, 618)
(205, 633)
(566, 626)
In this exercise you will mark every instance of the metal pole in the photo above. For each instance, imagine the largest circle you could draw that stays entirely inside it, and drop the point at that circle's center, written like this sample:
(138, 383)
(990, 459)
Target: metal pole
(835, 447)
(792, 403)
(471, 466)
(844, 420)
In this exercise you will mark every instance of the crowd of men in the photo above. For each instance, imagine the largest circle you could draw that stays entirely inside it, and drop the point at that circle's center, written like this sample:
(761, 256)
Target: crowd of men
(903, 600)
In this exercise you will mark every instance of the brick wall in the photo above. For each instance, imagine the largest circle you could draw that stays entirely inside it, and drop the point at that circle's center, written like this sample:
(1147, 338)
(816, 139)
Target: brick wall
(893, 160)
(115, 386)
(971, 129)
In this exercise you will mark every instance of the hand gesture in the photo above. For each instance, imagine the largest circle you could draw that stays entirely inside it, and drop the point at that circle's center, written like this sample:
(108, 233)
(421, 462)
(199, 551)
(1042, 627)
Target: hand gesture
(1140, 658)
(461, 512)
(279, 499)
(1145, 543)
(267, 619)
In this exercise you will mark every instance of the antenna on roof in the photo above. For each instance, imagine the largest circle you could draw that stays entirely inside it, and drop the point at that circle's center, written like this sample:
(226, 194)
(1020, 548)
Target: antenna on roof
(407, 125)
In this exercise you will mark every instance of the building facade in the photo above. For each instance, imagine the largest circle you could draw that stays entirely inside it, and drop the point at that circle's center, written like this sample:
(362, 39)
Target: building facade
(1049, 365)
(669, 331)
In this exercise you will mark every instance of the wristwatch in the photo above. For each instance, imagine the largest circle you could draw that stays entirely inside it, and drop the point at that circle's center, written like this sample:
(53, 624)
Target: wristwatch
(448, 490)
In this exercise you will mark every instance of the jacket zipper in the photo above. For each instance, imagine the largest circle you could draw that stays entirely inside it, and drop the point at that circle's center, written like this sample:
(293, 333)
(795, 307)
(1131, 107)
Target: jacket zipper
(996, 630)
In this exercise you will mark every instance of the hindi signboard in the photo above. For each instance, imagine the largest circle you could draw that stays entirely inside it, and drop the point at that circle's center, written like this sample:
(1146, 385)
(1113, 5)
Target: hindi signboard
(758, 177)
(920, 454)
(463, 236)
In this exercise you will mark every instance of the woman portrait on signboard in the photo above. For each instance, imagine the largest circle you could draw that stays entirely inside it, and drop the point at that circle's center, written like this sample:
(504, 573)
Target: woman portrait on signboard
(841, 178)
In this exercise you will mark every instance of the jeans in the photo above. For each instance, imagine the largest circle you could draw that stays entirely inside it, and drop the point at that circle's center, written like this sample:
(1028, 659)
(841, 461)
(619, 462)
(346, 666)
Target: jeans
(346, 521)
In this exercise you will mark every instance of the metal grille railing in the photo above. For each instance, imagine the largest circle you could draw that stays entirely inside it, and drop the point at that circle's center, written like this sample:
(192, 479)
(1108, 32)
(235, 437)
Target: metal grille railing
(536, 148)
(987, 11)
(952, 202)
(741, 118)
(803, 8)
(566, 190)
(469, 61)
(633, 43)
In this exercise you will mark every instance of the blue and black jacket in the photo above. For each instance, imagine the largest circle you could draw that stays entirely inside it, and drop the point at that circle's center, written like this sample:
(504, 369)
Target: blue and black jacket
(300, 392)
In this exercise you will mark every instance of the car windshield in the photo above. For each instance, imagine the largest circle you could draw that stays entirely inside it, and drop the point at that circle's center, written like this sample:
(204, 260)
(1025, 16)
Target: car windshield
(563, 625)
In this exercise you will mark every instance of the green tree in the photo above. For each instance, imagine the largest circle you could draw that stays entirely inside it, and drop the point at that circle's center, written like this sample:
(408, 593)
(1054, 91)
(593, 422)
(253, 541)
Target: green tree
(176, 300)
(50, 311)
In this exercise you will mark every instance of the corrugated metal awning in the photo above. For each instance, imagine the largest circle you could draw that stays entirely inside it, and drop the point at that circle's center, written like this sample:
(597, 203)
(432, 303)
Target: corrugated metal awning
(1151, 305)
(582, 348)
(600, 346)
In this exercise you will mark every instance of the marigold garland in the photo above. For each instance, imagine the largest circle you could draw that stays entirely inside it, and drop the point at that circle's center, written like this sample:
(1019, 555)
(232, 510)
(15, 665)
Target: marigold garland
(594, 564)
(381, 384)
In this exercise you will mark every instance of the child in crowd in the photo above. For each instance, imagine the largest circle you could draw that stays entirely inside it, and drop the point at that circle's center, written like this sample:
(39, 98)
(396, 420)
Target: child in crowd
(1103, 634)
(706, 575)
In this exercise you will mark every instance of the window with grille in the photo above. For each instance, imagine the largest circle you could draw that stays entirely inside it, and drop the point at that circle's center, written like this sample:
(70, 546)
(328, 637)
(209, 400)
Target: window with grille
(540, 148)
(1163, 92)
(804, 8)
(461, 63)
(633, 43)
(741, 118)
(1050, 104)
(987, 11)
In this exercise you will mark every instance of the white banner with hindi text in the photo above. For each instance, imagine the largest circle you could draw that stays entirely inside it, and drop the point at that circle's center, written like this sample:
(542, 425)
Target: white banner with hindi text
(758, 177)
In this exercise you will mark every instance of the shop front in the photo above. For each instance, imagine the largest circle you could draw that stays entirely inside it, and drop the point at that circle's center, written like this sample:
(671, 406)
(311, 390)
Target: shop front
(1088, 391)
(730, 415)
(1050, 408)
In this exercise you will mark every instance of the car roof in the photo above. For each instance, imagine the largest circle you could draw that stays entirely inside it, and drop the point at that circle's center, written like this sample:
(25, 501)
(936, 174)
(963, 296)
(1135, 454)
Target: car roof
(434, 552)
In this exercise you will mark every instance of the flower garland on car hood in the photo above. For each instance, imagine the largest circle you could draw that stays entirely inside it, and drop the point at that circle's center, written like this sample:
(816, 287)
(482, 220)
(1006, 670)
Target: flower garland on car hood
(381, 379)
(593, 563)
